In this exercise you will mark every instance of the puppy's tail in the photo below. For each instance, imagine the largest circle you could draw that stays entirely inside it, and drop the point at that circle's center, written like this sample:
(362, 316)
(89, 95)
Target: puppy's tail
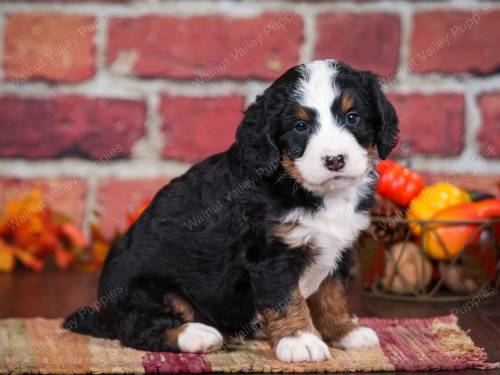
(89, 321)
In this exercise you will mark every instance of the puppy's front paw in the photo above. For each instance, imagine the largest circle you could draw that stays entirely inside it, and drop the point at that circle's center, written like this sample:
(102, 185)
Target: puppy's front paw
(199, 338)
(361, 337)
(303, 347)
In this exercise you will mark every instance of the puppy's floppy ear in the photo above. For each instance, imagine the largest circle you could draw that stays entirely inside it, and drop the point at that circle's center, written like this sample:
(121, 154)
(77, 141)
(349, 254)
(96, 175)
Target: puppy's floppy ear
(256, 145)
(387, 131)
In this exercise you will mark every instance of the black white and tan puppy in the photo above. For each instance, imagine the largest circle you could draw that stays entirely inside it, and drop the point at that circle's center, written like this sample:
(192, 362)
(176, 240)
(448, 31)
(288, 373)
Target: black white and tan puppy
(259, 235)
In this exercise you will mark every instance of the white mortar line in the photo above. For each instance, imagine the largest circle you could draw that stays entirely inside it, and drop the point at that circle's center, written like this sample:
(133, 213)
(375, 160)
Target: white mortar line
(90, 204)
(151, 145)
(241, 9)
(101, 44)
(107, 85)
(472, 119)
(307, 49)
(140, 168)
(406, 23)
(434, 82)
(463, 164)
(70, 167)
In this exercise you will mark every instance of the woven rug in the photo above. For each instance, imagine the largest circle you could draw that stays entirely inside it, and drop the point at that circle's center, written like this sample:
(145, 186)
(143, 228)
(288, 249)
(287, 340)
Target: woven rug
(41, 346)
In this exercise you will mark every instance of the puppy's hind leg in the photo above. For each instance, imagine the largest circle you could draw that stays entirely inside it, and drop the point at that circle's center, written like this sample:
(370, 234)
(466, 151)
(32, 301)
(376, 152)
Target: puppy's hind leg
(156, 321)
(147, 330)
(191, 336)
(162, 332)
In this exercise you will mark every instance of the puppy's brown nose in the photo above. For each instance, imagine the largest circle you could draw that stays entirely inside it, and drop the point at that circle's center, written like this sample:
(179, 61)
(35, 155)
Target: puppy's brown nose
(334, 163)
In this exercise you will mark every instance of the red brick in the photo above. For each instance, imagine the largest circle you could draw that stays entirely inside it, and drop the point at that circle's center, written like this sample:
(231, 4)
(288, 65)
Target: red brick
(49, 46)
(443, 42)
(430, 124)
(198, 127)
(489, 135)
(117, 198)
(215, 46)
(63, 195)
(364, 41)
(69, 126)
(484, 183)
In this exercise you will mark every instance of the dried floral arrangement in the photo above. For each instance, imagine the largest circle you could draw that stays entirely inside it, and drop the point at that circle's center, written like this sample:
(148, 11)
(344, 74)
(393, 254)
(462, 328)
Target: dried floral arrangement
(34, 235)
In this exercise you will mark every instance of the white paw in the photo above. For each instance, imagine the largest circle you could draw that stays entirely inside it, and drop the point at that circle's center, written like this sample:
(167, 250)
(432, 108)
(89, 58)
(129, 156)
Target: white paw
(361, 337)
(303, 347)
(199, 338)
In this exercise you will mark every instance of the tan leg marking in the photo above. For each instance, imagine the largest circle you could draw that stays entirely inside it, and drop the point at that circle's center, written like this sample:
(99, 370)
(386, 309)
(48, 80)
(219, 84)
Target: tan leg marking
(180, 307)
(288, 319)
(329, 310)
(170, 336)
(331, 316)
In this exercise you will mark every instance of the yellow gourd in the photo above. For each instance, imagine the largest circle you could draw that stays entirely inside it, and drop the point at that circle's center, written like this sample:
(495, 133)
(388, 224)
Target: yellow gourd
(433, 199)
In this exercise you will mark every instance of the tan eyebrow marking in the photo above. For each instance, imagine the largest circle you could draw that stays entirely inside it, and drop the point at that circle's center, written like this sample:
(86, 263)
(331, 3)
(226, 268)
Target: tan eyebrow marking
(302, 113)
(347, 103)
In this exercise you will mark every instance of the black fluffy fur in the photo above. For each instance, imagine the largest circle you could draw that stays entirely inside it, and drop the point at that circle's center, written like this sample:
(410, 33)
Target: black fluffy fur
(228, 266)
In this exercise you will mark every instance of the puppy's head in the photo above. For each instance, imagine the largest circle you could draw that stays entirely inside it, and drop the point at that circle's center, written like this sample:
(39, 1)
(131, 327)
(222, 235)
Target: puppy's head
(321, 122)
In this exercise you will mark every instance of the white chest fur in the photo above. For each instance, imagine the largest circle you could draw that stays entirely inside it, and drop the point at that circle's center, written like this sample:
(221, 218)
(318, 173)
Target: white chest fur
(330, 230)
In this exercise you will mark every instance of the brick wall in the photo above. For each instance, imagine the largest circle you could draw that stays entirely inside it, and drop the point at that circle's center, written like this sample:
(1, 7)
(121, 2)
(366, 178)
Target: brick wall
(102, 102)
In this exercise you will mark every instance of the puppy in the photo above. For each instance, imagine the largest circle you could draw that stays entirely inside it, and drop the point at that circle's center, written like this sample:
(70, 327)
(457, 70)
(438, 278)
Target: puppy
(257, 236)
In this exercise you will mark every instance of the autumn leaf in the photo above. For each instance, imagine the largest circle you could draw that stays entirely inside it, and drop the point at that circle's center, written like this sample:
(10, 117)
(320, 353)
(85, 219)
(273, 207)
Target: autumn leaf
(100, 250)
(63, 257)
(20, 210)
(132, 217)
(29, 260)
(7, 260)
(74, 234)
(30, 231)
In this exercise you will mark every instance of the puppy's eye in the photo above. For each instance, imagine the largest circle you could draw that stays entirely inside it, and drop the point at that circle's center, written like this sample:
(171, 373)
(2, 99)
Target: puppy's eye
(352, 118)
(301, 126)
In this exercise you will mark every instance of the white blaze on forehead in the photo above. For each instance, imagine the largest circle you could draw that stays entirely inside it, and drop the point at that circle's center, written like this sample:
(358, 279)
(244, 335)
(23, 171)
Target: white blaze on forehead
(317, 90)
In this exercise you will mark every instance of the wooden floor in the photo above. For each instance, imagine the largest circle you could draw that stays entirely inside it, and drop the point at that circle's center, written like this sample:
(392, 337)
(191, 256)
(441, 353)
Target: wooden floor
(54, 294)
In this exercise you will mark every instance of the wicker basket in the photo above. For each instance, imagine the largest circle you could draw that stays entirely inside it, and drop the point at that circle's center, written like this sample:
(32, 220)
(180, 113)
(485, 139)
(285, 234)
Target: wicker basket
(403, 271)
